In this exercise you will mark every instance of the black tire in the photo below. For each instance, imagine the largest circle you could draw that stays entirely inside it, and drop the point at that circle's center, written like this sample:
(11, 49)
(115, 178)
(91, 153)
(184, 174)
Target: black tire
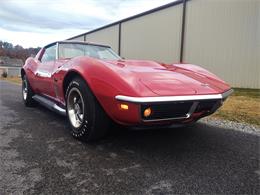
(93, 121)
(26, 88)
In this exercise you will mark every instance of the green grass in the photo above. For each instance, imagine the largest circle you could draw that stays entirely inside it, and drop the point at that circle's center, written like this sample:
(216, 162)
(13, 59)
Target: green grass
(252, 93)
(242, 106)
(16, 80)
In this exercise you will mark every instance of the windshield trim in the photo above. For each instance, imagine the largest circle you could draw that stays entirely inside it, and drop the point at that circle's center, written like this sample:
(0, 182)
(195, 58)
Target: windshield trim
(82, 43)
(76, 42)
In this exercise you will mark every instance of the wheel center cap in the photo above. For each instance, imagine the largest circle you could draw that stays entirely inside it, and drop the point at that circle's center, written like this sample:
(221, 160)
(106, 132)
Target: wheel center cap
(77, 108)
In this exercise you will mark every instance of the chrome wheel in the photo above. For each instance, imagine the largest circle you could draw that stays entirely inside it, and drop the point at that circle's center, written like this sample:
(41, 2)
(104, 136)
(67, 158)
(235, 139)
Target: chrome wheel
(25, 89)
(75, 107)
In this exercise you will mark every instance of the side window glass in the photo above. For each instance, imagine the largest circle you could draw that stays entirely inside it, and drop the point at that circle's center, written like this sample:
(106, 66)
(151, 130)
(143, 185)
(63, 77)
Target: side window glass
(49, 54)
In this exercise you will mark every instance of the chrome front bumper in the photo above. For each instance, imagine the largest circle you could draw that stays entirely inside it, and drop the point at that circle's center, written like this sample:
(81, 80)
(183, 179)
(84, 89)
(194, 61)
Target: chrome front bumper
(174, 98)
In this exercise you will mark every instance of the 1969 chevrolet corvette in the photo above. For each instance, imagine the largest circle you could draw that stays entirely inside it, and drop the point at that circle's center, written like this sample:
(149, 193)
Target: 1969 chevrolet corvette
(91, 84)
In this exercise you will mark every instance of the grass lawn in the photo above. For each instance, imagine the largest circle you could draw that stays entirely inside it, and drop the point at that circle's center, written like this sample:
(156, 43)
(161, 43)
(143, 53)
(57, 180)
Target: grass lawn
(16, 80)
(242, 106)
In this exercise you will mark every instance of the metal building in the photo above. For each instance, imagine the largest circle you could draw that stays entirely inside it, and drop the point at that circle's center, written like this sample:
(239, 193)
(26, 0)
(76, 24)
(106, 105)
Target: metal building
(221, 35)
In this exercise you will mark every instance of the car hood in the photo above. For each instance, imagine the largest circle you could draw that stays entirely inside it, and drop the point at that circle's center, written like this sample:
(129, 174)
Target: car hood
(168, 80)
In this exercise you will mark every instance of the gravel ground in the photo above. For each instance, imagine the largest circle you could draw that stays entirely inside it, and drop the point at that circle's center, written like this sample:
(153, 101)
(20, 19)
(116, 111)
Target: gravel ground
(38, 156)
(244, 127)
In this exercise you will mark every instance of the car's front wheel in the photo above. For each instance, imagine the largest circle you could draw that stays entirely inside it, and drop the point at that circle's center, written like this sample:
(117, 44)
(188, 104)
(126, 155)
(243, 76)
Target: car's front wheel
(87, 119)
(27, 92)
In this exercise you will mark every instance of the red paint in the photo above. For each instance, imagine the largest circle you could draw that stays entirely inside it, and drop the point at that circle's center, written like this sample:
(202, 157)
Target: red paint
(123, 77)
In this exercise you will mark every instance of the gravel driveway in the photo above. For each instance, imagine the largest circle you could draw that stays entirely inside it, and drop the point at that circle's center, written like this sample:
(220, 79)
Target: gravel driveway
(38, 155)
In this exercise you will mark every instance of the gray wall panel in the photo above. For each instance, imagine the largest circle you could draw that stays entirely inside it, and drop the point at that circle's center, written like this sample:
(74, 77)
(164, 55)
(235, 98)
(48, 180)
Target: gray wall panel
(258, 41)
(221, 36)
(107, 36)
(155, 36)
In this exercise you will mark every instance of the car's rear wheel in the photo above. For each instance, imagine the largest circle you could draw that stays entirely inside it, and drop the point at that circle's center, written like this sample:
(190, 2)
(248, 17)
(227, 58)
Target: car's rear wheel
(27, 92)
(87, 119)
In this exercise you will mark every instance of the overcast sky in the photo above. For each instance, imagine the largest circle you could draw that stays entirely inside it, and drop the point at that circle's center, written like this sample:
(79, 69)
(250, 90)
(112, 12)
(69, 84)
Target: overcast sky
(33, 23)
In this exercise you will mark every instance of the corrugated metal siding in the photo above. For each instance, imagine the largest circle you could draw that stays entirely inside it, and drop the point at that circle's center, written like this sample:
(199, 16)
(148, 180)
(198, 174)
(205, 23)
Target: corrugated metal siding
(258, 41)
(154, 36)
(221, 36)
(107, 36)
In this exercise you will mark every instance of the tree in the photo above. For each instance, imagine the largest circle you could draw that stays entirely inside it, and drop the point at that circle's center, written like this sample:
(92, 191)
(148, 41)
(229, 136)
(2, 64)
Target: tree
(17, 51)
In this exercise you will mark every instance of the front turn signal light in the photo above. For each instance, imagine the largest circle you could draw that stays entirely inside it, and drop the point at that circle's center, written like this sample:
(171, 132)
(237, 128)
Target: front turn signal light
(124, 106)
(147, 112)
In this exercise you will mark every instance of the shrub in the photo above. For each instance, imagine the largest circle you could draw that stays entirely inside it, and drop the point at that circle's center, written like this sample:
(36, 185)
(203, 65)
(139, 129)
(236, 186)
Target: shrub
(4, 74)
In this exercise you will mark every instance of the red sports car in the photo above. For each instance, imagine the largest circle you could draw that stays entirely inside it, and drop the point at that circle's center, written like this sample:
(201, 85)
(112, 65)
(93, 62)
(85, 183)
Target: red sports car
(91, 84)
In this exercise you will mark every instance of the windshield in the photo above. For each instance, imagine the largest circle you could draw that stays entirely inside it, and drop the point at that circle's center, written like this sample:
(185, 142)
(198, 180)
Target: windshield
(70, 50)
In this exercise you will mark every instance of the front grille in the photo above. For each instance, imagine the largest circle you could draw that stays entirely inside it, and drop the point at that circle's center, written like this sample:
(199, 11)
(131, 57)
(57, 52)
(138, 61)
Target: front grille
(206, 105)
(169, 110)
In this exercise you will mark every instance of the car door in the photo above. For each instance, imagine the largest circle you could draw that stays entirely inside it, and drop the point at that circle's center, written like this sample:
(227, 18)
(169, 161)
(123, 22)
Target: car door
(44, 71)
